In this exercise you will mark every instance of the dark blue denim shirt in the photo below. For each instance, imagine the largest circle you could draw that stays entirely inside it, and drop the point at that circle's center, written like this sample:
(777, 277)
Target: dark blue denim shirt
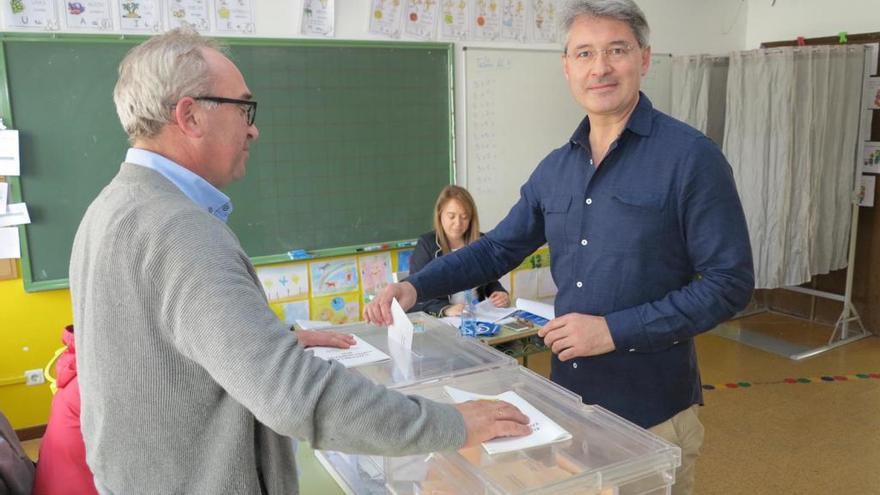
(654, 240)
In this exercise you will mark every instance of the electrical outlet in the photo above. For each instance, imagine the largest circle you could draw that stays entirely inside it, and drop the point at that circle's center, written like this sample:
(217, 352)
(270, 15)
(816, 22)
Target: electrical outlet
(33, 377)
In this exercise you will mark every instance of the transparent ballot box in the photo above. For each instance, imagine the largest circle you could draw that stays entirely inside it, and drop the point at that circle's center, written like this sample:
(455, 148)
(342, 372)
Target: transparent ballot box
(601, 453)
(438, 351)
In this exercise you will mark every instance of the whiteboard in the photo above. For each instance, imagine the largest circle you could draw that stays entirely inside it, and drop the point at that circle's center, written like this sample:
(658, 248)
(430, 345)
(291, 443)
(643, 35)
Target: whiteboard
(518, 109)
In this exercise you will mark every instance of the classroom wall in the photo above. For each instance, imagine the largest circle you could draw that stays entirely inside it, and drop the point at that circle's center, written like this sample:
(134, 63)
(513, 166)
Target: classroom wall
(788, 19)
(31, 324)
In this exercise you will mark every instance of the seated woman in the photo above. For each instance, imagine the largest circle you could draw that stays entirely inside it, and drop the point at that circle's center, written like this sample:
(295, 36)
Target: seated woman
(455, 225)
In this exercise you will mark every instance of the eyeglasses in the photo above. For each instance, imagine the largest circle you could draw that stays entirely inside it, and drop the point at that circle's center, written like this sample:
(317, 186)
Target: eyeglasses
(249, 106)
(612, 54)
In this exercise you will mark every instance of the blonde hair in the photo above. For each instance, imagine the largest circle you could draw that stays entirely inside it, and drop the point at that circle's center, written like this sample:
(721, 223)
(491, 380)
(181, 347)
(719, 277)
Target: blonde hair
(464, 198)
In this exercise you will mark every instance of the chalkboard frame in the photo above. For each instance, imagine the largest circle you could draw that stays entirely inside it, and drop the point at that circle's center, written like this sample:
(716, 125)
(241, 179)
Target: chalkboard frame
(8, 119)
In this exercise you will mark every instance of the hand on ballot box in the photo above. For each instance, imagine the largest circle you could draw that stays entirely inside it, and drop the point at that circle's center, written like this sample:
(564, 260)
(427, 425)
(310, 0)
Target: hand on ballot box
(378, 312)
(488, 419)
(324, 338)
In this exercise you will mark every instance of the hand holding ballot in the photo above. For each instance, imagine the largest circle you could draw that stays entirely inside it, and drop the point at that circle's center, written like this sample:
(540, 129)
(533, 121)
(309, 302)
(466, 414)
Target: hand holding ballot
(378, 312)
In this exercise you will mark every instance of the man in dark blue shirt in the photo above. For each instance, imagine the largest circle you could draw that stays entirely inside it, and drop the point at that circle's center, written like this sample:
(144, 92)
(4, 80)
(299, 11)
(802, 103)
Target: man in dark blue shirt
(647, 237)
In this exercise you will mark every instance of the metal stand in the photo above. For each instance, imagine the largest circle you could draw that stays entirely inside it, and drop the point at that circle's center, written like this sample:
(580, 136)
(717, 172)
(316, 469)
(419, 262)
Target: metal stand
(847, 329)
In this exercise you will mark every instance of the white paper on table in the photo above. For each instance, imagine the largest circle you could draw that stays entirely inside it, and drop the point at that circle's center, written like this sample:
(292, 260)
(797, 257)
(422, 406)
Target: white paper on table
(312, 324)
(4, 196)
(16, 214)
(452, 320)
(401, 329)
(359, 354)
(486, 311)
(9, 247)
(536, 308)
(544, 429)
(9, 157)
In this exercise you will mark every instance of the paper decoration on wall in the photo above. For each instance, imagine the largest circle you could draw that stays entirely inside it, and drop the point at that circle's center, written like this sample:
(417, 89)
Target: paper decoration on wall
(283, 282)
(385, 17)
(543, 21)
(318, 17)
(9, 245)
(4, 197)
(403, 258)
(486, 20)
(871, 157)
(234, 16)
(867, 190)
(525, 284)
(505, 282)
(420, 19)
(375, 273)
(453, 19)
(290, 312)
(513, 20)
(140, 15)
(338, 309)
(546, 285)
(334, 276)
(872, 98)
(188, 12)
(9, 153)
(537, 260)
(88, 14)
(37, 14)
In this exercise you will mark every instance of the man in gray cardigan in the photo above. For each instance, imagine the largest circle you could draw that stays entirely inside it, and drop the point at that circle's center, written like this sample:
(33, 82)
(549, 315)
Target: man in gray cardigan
(189, 382)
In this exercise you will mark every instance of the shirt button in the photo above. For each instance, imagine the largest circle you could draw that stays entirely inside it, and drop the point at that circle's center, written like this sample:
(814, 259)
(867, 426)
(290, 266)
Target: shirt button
(589, 201)
(574, 365)
(584, 242)
(580, 284)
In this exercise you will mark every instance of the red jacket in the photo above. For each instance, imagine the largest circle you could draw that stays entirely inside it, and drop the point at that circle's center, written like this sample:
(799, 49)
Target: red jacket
(62, 468)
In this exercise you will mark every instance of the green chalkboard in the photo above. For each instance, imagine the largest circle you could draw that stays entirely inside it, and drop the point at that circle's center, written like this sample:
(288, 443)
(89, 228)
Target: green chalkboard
(355, 142)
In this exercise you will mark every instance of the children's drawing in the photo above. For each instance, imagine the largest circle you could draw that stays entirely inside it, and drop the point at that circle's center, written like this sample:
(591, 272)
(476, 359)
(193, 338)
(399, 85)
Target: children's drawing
(334, 276)
(339, 309)
(375, 272)
(283, 282)
(403, 260)
(289, 312)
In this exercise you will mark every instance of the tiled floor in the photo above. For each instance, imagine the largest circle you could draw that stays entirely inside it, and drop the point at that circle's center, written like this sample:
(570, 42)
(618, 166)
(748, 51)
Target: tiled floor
(775, 437)
(771, 437)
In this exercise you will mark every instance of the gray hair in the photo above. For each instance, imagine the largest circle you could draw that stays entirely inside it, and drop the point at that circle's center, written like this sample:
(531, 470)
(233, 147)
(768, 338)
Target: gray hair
(154, 75)
(625, 11)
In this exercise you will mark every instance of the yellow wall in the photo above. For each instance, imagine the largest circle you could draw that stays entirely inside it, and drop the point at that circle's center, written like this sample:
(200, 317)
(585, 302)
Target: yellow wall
(30, 332)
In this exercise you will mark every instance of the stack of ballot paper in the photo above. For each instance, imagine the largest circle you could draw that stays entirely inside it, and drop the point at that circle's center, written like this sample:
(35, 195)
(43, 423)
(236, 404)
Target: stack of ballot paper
(544, 429)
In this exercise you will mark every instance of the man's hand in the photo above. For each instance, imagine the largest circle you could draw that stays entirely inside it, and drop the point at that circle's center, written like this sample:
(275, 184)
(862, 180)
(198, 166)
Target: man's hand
(311, 338)
(378, 312)
(488, 419)
(576, 335)
(500, 299)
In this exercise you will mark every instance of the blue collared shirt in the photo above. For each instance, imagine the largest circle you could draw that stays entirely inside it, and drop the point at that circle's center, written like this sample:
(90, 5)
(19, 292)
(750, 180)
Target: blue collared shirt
(654, 240)
(200, 191)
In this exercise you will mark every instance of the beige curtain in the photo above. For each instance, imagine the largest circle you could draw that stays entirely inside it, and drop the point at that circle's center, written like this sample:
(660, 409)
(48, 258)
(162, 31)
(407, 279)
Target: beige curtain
(791, 136)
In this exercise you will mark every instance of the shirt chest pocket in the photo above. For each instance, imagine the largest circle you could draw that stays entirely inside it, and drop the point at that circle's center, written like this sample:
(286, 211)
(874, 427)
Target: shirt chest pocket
(640, 220)
(557, 221)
